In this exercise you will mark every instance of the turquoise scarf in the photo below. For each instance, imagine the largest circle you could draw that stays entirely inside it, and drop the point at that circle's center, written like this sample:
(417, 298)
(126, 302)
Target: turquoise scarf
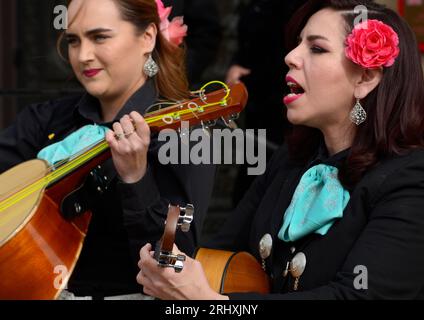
(73, 144)
(318, 201)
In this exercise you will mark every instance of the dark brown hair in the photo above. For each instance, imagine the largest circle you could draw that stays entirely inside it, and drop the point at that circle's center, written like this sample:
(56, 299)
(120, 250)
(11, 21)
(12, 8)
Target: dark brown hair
(171, 81)
(395, 108)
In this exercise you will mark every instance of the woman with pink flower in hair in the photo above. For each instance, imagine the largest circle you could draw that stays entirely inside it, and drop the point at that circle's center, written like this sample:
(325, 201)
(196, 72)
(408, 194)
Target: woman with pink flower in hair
(339, 212)
(127, 56)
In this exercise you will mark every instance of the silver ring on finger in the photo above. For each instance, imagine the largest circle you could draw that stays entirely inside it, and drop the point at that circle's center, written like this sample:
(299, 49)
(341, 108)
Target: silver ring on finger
(129, 134)
(119, 136)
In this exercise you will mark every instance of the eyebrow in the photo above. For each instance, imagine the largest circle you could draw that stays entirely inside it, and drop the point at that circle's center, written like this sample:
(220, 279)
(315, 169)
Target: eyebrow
(90, 32)
(316, 37)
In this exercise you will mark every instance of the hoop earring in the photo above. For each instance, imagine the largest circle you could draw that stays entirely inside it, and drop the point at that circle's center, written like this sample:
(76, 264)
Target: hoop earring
(150, 68)
(358, 115)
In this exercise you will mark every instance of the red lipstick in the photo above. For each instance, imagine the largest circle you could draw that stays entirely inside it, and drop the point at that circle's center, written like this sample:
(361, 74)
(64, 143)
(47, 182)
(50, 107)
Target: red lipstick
(296, 90)
(90, 73)
(291, 98)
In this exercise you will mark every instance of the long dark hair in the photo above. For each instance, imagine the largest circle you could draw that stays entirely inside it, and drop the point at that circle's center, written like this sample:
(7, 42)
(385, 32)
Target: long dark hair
(171, 81)
(395, 108)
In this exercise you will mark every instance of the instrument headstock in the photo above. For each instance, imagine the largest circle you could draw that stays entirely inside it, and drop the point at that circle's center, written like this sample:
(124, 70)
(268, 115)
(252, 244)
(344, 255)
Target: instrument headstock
(178, 218)
(205, 109)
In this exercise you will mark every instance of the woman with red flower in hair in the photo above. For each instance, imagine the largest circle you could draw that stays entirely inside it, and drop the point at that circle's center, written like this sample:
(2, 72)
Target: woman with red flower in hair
(339, 212)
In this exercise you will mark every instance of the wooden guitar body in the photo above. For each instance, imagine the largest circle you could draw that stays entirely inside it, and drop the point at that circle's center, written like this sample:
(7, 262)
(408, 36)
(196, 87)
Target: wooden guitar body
(38, 248)
(229, 272)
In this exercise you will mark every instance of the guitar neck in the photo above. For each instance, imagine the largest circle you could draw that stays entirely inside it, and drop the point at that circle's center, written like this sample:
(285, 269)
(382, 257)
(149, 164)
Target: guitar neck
(207, 107)
(222, 103)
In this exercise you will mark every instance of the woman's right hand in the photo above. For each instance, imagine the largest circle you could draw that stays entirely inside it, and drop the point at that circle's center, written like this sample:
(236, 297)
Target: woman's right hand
(129, 142)
(164, 283)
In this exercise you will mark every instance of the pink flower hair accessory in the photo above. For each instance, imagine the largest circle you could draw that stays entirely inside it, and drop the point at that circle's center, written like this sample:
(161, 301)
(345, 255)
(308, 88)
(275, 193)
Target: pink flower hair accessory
(174, 31)
(372, 44)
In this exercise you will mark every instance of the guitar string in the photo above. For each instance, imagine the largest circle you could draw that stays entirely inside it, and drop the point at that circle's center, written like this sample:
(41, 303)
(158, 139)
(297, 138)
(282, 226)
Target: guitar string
(58, 173)
(58, 168)
(60, 163)
(64, 161)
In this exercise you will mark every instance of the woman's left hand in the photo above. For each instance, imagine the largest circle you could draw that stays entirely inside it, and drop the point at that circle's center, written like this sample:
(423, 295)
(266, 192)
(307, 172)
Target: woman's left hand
(129, 142)
(166, 284)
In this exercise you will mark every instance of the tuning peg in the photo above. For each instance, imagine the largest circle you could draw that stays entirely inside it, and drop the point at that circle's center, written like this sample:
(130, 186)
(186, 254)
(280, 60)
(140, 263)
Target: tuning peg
(185, 219)
(206, 129)
(202, 96)
(234, 116)
(228, 121)
(210, 123)
(169, 260)
(184, 135)
(179, 263)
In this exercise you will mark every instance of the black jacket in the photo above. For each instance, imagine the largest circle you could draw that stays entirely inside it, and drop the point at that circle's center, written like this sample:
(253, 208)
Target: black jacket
(382, 229)
(125, 216)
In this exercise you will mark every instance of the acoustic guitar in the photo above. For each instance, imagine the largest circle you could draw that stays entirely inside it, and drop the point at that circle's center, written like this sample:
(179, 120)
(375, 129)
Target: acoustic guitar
(38, 246)
(227, 272)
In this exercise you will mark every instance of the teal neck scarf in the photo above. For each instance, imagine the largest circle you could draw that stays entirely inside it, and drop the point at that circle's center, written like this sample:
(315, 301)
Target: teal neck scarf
(73, 144)
(318, 201)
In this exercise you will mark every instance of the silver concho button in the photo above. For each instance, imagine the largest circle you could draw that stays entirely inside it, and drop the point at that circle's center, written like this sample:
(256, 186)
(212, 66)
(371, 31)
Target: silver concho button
(297, 265)
(265, 246)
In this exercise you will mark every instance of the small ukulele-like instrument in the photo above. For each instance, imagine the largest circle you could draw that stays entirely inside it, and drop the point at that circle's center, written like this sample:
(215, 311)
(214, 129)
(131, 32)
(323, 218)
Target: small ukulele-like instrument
(227, 272)
(178, 218)
(38, 246)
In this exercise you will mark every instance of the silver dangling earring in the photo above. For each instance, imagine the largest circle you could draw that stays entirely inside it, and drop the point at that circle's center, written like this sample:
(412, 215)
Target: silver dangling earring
(358, 115)
(150, 68)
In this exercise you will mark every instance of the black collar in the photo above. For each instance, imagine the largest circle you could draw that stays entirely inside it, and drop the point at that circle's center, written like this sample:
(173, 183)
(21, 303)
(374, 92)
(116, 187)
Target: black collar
(322, 156)
(88, 108)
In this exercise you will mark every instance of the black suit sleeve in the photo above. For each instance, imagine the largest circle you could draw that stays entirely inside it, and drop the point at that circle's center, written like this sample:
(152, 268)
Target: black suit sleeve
(388, 253)
(145, 203)
(144, 212)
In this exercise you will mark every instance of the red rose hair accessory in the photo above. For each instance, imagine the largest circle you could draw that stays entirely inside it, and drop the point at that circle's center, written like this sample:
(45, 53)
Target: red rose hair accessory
(174, 31)
(373, 44)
